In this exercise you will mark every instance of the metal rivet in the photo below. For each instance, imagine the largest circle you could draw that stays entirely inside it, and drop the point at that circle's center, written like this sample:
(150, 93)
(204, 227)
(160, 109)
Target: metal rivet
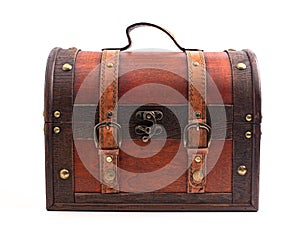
(242, 170)
(67, 67)
(109, 114)
(43, 114)
(56, 114)
(198, 175)
(109, 159)
(109, 175)
(198, 114)
(241, 66)
(248, 134)
(148, 116)
(248, 117)
(110, 65)
(231, 49)
(197, 159)
(64, 174)
(196, 64)
(56, 130)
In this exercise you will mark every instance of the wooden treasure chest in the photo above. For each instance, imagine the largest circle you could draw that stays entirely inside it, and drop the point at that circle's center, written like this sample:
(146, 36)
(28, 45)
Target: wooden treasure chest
(152, 131)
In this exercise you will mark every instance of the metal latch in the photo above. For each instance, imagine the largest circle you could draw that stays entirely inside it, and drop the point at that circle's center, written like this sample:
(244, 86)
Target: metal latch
(151, 128)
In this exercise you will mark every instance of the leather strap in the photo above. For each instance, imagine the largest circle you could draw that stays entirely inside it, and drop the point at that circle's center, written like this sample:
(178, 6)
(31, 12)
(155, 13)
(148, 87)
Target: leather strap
(197, 148)
(108, 143)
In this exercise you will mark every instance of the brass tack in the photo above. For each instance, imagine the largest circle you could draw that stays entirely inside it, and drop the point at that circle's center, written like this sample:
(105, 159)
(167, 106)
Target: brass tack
(43, 113)
(110, 65)
(67, 67)
(198, 114)
(109, 175)
(109, 159)
(64, 174)
(248, 117)
(198, 175)
(196, 64)
(248, 134)
(56, 130)
(56, 114)
(242, 170)
(241, 66)
(231, 49)
(198, 159)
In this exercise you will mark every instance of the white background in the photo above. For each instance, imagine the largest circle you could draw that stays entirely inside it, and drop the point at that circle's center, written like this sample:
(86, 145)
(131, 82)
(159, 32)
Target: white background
(30, 29)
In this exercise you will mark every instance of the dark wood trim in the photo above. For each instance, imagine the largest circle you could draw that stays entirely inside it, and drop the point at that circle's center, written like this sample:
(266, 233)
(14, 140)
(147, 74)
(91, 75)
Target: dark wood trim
(242, 147)
(48, 100)
(59, 147)
(256, 127)
(153, 207)
(154, 198)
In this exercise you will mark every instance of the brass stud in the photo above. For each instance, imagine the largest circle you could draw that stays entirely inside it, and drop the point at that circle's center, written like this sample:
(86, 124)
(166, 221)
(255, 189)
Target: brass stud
(109, 159)
(198, 159)
(109, 175)
(242, 170)
(43, 113)
(56, 114)
(248, 117)
(198, 176)
(64, 174)
(110, 65)
(231, 49)
(67, 67)
(196, 64)
(248, 134)
(56, 130)
(241, 66)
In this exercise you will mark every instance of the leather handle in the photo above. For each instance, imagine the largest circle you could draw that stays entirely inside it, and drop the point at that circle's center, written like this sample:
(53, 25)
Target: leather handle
(145, 24)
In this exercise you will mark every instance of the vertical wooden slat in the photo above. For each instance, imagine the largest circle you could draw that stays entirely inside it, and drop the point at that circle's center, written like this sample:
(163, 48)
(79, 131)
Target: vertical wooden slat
(242, 146)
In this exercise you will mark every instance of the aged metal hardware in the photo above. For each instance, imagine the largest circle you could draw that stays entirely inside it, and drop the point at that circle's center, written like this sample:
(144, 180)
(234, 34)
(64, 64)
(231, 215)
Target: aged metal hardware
(56, 114)
(198, 175)
(67, 67)
(242, 170)
(248, 134)
(109, 175)
(151, 117)
(198, 159)
(241, 66)
(107, 125)
(109, 159)
(64, 174)
(197, 126)
(56, 130)
(248, 117)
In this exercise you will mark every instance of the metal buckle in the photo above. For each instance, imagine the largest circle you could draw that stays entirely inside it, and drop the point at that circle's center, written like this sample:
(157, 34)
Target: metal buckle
(107, 125)
(198, 126)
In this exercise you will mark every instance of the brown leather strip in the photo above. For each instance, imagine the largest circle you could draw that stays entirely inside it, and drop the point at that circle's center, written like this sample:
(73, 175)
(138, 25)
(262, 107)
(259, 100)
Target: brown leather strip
(197, 138)
(108, 144)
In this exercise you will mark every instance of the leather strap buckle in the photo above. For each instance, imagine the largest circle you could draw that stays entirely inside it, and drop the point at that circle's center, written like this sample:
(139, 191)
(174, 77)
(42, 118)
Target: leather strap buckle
(107, 125)
(198, 126)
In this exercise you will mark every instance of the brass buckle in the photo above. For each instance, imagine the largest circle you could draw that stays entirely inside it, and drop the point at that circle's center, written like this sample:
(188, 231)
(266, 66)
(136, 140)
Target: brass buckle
(107, 125)
(198, 126)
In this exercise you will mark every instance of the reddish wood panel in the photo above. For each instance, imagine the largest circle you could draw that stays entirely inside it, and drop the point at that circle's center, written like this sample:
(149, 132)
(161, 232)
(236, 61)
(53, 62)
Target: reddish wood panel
(166, 68)
(218, 179)
(87, 173)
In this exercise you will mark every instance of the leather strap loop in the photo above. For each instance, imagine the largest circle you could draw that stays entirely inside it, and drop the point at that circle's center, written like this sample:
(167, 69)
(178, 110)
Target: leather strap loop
(197, 144)
(108, 139)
